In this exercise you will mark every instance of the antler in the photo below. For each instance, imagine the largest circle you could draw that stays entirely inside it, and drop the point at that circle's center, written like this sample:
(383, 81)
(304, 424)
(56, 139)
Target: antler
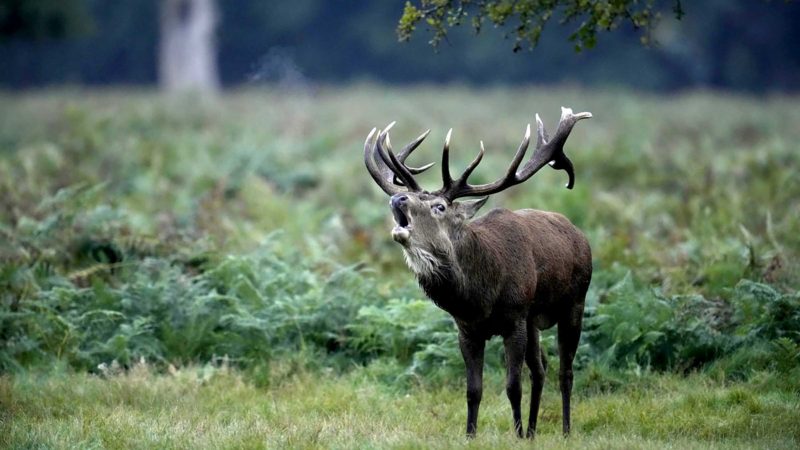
(389, 170)
(393, 176)
(548, 151)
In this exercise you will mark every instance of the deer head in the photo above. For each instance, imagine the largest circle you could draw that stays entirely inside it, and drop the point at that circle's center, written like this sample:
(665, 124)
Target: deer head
(427, 224)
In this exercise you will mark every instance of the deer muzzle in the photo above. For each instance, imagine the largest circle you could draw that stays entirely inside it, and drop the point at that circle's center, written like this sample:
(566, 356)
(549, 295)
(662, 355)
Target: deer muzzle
(402, 229)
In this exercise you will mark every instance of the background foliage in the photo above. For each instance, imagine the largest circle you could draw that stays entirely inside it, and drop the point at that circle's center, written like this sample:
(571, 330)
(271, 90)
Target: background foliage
(725, 44)
(528, 18)
(183, 232)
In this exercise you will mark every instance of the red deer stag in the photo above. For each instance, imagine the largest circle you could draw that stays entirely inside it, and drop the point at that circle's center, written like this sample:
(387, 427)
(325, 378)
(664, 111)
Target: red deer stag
(507, 273)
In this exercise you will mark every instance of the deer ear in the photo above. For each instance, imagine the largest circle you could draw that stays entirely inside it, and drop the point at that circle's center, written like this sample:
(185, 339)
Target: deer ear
(471, 207)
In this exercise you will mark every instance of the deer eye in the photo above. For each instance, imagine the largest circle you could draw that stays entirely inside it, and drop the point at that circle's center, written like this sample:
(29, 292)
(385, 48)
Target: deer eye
(439, 208)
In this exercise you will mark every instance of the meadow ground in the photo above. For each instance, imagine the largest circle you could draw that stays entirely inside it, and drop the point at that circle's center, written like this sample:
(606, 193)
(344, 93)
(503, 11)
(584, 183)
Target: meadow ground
(238, 246)
(216, 408)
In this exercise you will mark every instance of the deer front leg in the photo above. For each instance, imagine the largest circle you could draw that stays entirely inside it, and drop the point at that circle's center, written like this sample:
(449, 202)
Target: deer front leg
(472, 351)
(515, 344)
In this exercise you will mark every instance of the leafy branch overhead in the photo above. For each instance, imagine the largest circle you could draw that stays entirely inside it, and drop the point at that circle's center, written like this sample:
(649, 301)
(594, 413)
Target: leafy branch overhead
(524, 20)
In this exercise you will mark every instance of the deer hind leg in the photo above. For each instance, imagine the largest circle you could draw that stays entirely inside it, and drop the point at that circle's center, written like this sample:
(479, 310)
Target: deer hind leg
(515, 344)
(569, 335)
(534, 357)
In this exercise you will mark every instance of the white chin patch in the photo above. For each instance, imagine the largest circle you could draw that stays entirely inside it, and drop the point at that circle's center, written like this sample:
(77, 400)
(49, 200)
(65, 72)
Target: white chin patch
(401, 235)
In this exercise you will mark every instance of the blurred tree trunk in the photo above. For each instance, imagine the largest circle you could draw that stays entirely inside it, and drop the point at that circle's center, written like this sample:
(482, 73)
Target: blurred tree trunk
(187, 49)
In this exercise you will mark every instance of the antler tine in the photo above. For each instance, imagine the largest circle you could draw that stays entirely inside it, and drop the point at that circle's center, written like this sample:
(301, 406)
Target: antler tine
(511, 174)
(419, 170)
(396, 166)
(384, 135)
(463, 189)
(551, 151)
(462, 180)
(379, 171)
(542, 137)
(382, 151)
(406, 151)
(447, 180)
(395, 179)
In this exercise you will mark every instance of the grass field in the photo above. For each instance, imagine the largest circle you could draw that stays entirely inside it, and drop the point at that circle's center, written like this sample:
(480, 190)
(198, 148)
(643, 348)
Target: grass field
(239, 248)
(202, 408)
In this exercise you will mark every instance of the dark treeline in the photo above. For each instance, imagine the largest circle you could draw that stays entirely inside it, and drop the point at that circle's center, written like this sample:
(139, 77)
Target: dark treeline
(748, 45)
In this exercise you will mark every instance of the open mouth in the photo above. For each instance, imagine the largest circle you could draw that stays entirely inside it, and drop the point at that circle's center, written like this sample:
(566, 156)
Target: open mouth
(400, 218)
(402, 229)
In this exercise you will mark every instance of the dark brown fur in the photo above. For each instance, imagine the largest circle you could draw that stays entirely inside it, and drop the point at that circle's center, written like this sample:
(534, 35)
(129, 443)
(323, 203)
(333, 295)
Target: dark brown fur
(521, 272)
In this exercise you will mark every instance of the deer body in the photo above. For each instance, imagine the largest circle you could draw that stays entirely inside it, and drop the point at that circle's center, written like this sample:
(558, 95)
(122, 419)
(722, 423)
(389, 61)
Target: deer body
(504, 269)
(507, 273)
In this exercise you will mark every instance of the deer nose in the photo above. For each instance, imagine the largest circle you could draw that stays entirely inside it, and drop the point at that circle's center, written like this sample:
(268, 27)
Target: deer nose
(398, 199)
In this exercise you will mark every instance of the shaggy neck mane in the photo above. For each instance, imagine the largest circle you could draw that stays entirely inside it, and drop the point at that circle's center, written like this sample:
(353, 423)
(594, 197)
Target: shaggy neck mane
(444, 274)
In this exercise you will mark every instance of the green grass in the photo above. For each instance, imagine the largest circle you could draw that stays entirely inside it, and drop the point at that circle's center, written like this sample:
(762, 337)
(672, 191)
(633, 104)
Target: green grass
(245, 229)
(217, 408)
